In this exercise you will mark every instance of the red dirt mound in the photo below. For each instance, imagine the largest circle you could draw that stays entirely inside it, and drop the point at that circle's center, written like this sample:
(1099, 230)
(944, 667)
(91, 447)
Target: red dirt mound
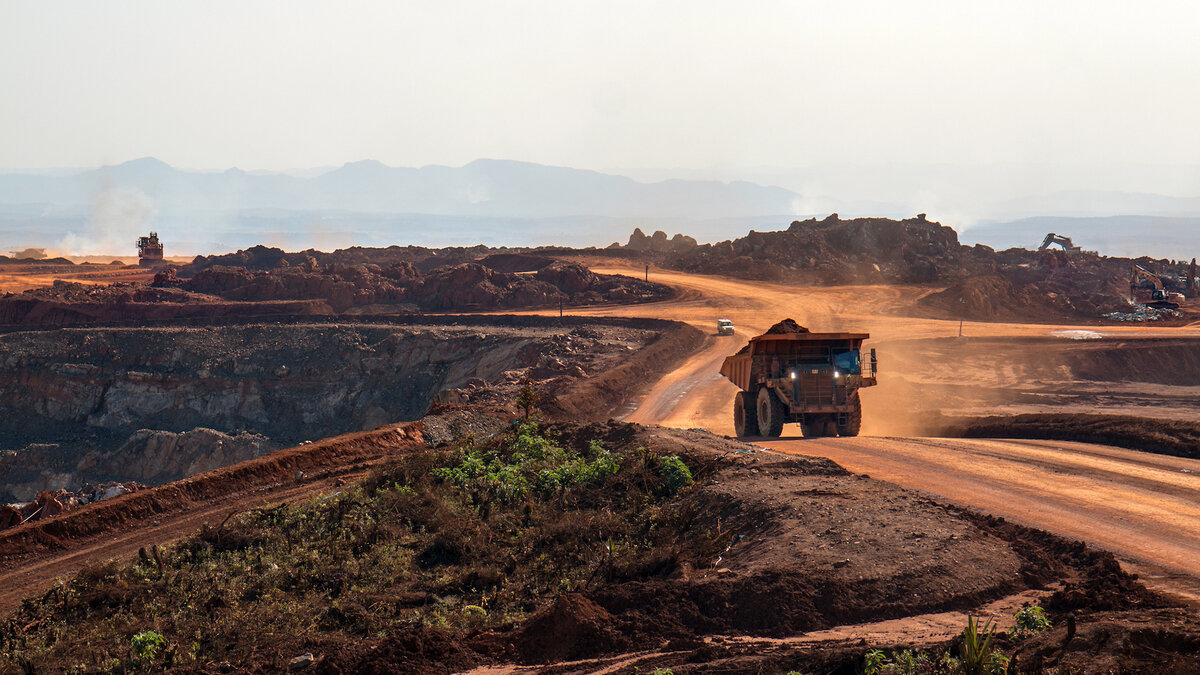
(787, 327)
(573, 627)
(418, 651)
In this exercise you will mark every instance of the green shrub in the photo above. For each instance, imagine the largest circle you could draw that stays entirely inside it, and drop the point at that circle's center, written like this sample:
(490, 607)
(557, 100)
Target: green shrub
(145, 646)
(677, 473)
(528, 462)
(1030, 621)
(903, 662)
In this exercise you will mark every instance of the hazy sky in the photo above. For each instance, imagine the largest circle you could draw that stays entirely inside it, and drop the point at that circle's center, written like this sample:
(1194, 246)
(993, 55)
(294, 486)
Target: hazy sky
(696, 84)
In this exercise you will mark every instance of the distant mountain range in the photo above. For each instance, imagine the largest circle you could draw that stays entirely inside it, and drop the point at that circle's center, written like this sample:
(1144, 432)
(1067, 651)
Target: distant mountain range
(500, 202)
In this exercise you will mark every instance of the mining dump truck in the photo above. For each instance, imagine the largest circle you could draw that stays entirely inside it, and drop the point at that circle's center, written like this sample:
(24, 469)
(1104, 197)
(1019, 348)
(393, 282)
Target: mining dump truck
(790, 375)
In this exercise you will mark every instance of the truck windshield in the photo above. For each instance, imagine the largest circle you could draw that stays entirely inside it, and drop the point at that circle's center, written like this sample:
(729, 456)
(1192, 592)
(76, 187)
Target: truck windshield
(847, 362)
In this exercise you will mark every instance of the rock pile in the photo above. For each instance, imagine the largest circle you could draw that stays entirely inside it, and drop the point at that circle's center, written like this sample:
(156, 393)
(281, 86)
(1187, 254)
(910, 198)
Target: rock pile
(461, 287)
(658, 242)
(830, 251)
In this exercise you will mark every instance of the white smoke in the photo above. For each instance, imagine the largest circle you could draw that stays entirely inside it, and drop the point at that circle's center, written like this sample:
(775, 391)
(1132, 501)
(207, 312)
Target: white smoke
(119, 216)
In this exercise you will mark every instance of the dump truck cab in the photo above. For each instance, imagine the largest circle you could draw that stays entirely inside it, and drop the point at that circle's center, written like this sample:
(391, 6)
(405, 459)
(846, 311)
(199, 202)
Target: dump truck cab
(800, 377)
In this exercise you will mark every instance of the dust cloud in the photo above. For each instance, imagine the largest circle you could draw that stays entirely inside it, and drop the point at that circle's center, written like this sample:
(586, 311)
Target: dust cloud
(923, 384)
(118, 217)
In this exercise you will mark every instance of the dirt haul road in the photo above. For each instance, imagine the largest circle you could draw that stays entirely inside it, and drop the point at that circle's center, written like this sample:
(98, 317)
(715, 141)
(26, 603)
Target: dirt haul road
(1140, 506)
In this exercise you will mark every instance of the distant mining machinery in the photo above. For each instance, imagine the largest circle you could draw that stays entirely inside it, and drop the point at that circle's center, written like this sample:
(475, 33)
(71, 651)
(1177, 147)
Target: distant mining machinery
(150, 250)
(1064, 242)
(1147, 288)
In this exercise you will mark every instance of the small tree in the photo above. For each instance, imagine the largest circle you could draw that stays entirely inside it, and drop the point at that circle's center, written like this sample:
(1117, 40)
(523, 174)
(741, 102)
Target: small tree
(527, 399)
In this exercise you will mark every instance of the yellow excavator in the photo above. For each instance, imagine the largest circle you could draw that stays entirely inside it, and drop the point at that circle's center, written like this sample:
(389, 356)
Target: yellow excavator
(1147, 288)
(1062, 241)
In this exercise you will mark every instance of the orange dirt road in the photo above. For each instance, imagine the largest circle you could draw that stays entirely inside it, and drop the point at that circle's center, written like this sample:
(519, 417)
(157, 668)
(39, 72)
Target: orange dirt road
(1145, 508)
(696, 395)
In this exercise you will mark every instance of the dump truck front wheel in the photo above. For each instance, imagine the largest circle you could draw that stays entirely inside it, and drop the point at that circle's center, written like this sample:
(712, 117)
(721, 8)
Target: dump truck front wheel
(745, 415)
(853, 418)
(771, 414)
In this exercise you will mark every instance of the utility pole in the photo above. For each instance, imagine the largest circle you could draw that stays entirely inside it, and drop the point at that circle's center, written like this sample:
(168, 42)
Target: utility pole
(560, 307)
(960, 324)
(647, 271)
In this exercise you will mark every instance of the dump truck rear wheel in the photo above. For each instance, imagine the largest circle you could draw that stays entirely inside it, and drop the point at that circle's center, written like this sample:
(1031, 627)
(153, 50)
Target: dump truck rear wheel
(853, 419)
(745, 415)
(770, 414)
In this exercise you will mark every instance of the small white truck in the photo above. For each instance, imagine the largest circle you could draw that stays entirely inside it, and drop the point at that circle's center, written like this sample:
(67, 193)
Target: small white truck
(724, 327)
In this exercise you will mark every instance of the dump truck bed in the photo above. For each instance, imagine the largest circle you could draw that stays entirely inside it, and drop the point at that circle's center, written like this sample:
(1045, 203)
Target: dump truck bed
(754, 361)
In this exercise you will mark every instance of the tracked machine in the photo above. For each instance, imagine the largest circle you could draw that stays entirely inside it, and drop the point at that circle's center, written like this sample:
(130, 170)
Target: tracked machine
(1147, 288)
(791, 375)
(150, 251)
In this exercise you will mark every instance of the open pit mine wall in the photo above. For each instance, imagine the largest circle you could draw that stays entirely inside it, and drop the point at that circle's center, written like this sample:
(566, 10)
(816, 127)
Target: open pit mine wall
(155, 404)
(78, 404)
(289, 383)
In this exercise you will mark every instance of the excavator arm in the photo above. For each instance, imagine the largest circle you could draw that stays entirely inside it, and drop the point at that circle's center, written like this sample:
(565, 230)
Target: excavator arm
(1064, 242)
(1142, 274)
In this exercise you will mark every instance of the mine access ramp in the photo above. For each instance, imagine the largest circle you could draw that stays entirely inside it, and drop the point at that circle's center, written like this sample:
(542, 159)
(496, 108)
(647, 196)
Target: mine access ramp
(791, 375)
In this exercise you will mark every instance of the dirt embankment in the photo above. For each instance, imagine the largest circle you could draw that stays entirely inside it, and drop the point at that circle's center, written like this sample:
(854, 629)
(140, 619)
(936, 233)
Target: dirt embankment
(69, 303)
(1167, 437)
(600, 395)
(34, 554)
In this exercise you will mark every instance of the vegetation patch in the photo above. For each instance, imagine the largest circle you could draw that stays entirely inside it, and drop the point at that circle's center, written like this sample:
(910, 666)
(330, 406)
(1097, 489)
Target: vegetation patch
(441, 543)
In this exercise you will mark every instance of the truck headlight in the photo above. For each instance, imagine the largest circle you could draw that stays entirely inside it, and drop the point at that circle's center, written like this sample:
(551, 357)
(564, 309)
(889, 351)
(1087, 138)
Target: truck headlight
(793, 374)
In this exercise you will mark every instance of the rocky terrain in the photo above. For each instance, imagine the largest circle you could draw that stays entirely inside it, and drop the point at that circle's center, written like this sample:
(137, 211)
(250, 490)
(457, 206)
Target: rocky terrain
(977, 282)
(829, 251)
(207, 289)
(157, 404)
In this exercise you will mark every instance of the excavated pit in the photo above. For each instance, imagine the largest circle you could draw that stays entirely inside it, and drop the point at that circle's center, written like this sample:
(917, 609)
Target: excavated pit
(160, 403)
